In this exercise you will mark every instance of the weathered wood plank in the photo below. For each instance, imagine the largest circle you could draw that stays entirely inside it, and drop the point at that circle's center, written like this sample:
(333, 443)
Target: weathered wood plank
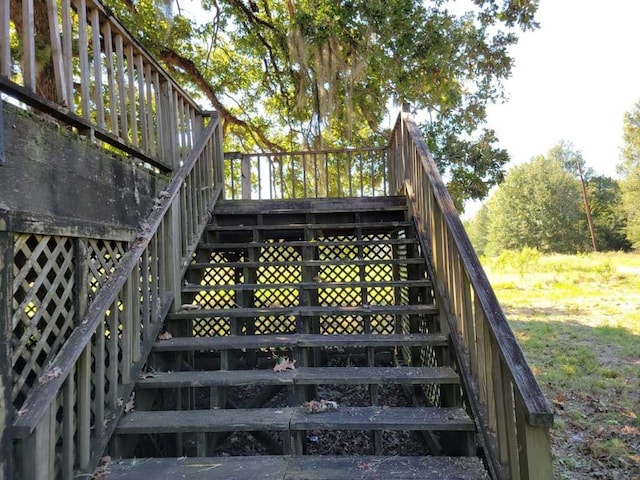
(316, 226)
(302, 376)
(115, 192)
(307, 285)
(222, 468)
(222, 420)
(377, 467)
(296, 418)
(314, 205)
(240, 245)
(298, 468)
(309, 263)
(233, 342)
(307, 311)
(384, 418)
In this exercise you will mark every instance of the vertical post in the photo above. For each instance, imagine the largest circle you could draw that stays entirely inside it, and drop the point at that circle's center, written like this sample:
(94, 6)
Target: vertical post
(5, 43)
(587, 209)
(29, 46)
(6, 293)
(245, 174)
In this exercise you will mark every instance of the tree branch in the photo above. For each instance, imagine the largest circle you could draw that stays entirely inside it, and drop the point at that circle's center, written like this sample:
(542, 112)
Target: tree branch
(175, 59)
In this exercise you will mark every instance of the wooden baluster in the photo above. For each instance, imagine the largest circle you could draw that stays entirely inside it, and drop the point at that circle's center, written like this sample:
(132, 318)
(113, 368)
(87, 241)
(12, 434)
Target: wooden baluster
(131, 93)
(83, 54)
(67, 53)
(99, 380)
(5, 41)
(125, 333)
(84, 409)
(59, 72)
(142, 104)
(94, 14)
(28, 46)
(68, 427)
(152, 140)
(111, 80)
(122, 90)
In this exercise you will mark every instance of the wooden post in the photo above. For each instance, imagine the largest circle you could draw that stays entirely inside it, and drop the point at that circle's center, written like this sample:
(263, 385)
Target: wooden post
(6, 293)
(245, 177)
(534, 447)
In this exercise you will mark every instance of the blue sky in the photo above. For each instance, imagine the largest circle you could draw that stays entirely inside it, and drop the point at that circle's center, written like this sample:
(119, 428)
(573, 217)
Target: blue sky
(573, 80)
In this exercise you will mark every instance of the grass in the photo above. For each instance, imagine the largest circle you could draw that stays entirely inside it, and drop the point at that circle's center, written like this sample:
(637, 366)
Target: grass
(577, 319)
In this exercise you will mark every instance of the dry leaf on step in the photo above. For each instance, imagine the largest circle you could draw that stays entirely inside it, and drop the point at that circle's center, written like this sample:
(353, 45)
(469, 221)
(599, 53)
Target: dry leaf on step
(165, 336)
(130, 406)
(284, 363)
(315, 406)
(190, 306)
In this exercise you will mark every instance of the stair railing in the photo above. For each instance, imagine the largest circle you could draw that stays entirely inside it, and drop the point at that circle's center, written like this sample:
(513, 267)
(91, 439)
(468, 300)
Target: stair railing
(510, 408)
(351, 172)
(71, 412)
(82, 67)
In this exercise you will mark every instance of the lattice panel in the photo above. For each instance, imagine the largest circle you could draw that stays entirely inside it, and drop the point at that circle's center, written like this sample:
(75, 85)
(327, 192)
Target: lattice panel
(340, 296)
(375, 249)
(43, 306)
(216, 299)
(338, 252)
(104, 256)
(341, 324)
(277, 297)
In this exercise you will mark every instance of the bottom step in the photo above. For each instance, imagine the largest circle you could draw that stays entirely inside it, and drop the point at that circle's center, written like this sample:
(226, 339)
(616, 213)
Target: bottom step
(298, 468)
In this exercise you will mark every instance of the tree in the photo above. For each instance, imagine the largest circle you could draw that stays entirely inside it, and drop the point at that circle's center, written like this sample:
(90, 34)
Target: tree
(629, 170)
(476, 228)
(605, 200)
(288, 74)
(539, 205)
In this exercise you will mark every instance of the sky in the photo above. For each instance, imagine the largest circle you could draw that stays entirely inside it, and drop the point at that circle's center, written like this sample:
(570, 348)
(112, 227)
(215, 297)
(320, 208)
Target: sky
(573, 79)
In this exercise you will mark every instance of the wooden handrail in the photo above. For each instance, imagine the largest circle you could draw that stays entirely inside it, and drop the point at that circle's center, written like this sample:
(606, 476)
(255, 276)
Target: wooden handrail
(504, 395)
(153, 268)
(121, 96)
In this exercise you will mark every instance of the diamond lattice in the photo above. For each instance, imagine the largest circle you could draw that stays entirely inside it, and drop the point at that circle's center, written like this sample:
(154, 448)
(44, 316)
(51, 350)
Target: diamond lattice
(43, 307)
(277, 297)
(104, 256)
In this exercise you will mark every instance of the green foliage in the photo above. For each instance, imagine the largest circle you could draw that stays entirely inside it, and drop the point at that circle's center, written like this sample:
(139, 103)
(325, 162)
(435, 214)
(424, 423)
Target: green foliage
(291, 75)
(610, 221)
(476, 228)
(629, 170)
(522, 261)
(539, 206)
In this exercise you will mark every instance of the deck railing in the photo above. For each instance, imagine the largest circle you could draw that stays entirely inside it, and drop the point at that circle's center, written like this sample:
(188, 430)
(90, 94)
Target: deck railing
(71, 412)
(79, 65)
(502, 391)
(312, 174)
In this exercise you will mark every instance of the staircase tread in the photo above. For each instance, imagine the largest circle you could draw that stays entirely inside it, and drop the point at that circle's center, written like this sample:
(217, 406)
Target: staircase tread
(309, 263)
(306, 243)
(315, 205)
(306, 311)
(296, 418)
(303, 376)
(235, 342)
(313, 226)
(307, 285)
(305, 467)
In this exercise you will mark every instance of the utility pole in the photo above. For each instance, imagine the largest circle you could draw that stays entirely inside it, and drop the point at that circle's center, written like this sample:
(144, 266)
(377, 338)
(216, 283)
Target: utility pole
(594, 241)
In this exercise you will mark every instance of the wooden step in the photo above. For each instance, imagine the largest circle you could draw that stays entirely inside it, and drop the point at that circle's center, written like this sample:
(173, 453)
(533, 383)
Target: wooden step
(187, 287)
(303, 376)
(297, 340)
(240, 245)
(306, 467)
(364, 226)
(296, 419)
(305, 311)
(338, 262)
(311, 205)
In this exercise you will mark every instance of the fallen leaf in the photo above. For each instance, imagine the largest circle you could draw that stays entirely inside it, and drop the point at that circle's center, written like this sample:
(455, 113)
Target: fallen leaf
(46, 377)
(165, 336)
(315, 406)
(130, 406)
(284, 363)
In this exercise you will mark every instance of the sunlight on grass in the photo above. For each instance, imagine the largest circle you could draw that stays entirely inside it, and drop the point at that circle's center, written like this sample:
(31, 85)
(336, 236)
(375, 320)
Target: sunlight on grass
(577, 319)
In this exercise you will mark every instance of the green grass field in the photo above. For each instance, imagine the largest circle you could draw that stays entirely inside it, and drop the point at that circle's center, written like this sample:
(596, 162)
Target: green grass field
(578, 321)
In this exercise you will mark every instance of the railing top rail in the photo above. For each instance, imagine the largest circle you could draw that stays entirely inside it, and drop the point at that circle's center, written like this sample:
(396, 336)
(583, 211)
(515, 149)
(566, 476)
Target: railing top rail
(536, 407)
(41, 395)
(306, 152)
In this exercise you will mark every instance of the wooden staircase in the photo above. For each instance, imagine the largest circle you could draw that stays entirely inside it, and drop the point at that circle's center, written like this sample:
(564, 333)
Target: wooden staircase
(340, 287)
